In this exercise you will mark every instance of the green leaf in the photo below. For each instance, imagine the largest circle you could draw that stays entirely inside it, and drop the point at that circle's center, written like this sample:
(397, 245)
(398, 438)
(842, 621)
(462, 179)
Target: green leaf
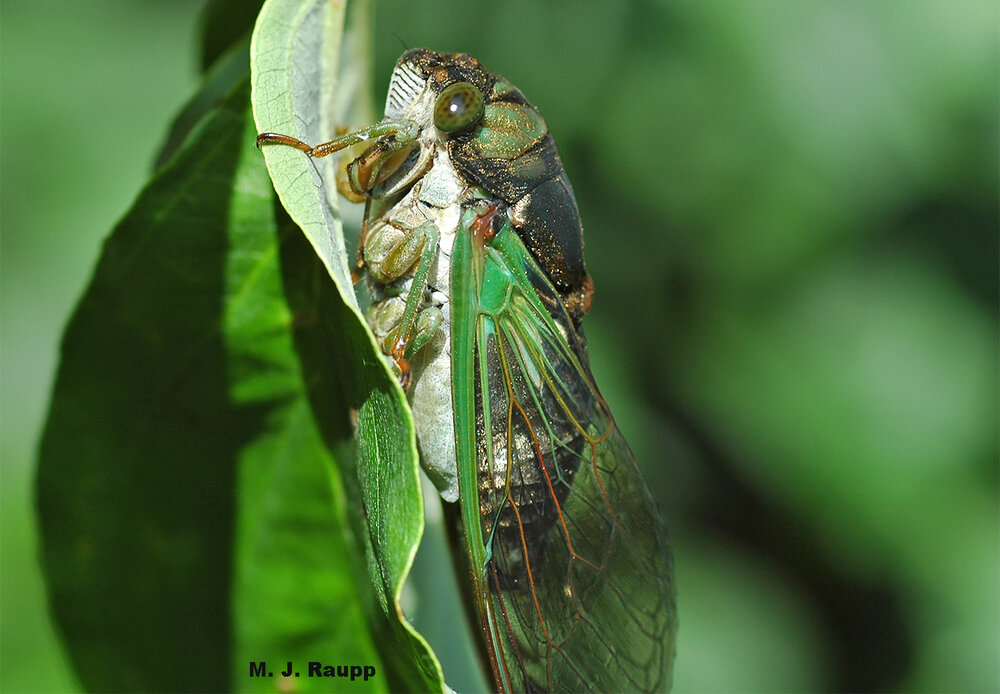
(225, 23)
(296, 591)
(294, 56)
(302, 87)
(190, 487)
(139, 455)
(218, 81)
(179, 414)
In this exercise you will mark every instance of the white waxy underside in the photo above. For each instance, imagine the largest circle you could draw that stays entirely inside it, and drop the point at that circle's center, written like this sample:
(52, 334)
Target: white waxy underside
(435, 197)
(430, 393)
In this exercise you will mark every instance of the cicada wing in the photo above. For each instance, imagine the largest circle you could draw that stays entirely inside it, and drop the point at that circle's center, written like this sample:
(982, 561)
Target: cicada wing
(577, 593)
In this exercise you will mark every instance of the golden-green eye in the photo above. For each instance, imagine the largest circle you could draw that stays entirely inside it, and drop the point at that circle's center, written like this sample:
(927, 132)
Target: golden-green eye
(458, 107)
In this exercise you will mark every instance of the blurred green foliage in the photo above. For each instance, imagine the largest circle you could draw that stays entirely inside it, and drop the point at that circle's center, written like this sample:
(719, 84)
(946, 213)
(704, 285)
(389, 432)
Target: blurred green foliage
(791, 213)
(88, 92)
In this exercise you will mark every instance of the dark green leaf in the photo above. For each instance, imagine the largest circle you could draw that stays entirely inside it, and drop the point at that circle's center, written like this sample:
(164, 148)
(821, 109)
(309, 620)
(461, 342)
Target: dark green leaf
(299, 89)
(180, 416)
(224, 23)
(296, 595)
(139, 456)
(219, 80)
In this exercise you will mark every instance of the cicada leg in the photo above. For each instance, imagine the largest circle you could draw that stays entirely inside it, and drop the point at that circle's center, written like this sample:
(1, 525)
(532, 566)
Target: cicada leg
(391, 143)
(388, 145)
(359, 254)
(394, 134)
(390, 257)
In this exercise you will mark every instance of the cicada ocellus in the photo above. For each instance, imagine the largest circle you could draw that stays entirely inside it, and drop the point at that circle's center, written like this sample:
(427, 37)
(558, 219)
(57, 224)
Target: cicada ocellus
(473, 250)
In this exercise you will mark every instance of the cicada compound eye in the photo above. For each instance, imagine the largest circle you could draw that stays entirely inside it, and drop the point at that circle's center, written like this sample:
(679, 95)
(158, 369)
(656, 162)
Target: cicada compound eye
(458, 107)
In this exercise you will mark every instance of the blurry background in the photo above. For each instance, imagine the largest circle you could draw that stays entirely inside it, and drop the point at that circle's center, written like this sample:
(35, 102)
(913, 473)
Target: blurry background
(792, 223)
(88, 91)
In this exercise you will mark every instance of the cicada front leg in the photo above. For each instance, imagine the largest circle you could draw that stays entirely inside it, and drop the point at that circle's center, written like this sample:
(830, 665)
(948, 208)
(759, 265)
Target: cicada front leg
(389, 142)
(395, 255)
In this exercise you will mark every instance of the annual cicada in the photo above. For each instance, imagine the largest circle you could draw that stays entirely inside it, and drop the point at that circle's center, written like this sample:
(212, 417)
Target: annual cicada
(473, 250)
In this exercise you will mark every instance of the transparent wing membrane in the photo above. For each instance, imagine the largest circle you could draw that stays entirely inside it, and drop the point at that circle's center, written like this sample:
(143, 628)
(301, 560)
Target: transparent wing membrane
(577, 593)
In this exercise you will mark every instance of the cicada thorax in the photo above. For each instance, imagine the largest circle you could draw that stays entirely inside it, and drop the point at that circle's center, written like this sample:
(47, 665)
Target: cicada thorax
(511, 155)
(514, 157)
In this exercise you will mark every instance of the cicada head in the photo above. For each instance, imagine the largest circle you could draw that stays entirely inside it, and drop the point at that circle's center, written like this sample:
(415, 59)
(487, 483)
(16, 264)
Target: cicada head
(440, 95)
(443, 92)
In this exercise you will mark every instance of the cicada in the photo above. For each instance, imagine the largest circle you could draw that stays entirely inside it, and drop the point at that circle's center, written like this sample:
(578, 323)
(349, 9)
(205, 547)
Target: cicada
(473, 251)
